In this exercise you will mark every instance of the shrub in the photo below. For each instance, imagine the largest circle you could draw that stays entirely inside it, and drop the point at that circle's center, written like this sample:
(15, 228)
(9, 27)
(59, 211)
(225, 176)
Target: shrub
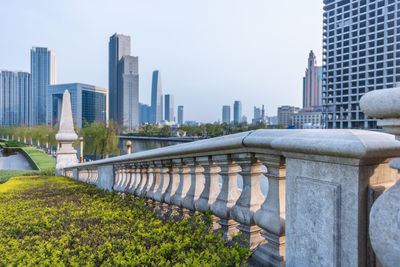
(56, 221)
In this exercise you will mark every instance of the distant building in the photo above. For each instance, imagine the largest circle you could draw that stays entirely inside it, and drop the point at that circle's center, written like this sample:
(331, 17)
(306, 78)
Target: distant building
(237, 111)
(312, 84)
(285, 114)
(156, 98)
(15, 98)
(226, 114)
(123, 79)
(144, 113)
(360, 54)
(259, 116)
(180, 115)
(43, 74)
(169, 107)
(272, 120)
(89, 103)
(243, 119)
(307, 120)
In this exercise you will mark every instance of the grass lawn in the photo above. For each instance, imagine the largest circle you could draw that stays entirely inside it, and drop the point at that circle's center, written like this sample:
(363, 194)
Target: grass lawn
(55, 221)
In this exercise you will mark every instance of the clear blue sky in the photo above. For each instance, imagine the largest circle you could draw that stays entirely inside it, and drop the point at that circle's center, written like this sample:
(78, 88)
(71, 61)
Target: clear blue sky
(209, 52)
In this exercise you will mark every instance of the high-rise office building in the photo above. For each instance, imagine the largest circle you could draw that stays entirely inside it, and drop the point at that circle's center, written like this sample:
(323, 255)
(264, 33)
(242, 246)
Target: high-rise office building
(285, 114)
(43, 74)
(312, 84)
(180, 115)
(128, 92)
(226, 114)
(360, 54)
(237, 111)
(15, 98)
(144, 113)
(123, 81)
(156, 98)
(169, 107)
(89, 103)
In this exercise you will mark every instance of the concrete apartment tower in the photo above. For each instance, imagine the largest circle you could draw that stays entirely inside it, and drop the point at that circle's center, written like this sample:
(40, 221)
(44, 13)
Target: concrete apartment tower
(169, 107)
(43, 74)
(237, 111)
(226, 114)
(156, 98)
(312, 84)
(180, 115)
(360, 54)
(123, 82)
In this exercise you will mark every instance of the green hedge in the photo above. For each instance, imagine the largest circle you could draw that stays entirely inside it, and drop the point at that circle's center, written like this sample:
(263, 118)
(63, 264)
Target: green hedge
(69, 223)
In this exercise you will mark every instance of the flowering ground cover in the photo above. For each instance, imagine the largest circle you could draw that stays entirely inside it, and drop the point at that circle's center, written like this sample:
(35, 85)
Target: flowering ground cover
(55, 221)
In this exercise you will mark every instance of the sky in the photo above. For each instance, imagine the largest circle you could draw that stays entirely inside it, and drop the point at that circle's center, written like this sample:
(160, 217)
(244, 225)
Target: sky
(209, 52)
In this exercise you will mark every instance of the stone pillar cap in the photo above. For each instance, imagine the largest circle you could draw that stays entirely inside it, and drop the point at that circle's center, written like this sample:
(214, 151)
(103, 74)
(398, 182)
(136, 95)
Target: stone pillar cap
(381, 104)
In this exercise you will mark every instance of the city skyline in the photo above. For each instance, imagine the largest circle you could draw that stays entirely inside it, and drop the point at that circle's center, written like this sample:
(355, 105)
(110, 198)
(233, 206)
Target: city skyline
(185, 58)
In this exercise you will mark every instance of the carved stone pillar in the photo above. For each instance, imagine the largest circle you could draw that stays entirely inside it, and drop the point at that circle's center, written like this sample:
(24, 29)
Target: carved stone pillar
(164, 182)
(184, 183)
(133, 179)
(211, 186)
(271, 216)
(173, 182)
(228, 195)
(143, 179)
(156, 179)
(149, 180)
(196, 183)
(117, 177)
(250, 199)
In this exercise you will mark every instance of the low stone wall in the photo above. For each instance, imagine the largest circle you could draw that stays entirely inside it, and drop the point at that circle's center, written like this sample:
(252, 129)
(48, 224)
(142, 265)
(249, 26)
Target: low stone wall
(25, 154)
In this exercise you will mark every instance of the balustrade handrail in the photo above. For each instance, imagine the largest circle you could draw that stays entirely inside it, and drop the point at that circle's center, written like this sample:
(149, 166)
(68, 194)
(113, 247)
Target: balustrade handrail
(317, 187)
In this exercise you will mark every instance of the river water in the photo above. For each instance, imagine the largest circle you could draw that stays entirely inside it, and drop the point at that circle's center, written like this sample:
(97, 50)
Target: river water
(14, 161)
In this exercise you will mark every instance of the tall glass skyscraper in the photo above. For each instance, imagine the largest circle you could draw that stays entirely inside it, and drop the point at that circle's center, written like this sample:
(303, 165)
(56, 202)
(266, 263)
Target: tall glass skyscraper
(43, 71)
(237, 111)
(15, 98)
(361, 53)
(312, 84)
(169, 107)
(180, 115)
(226, 114)
(89, 103)
(156, 98)
(123, 81)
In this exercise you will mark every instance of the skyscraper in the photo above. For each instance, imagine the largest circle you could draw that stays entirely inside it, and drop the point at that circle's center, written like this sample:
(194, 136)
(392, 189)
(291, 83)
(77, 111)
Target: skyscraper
(169, 107)
(180, 115)
(312, 84)
(285, 114)
(15, 98)
(123, 81)
(43, 74)
(144, 113)
(360, 54)
(156, 98)
(226, 114)
(237, 111)
(128, 92)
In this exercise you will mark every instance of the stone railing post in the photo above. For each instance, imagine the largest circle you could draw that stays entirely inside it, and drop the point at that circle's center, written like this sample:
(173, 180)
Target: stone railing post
(211, 186)
(271, 216)
(228, 195)
(173, 184)
(143, 179)
(164, 181)
(184, 183)
(119, 177)
(384, 218)
(250, 199)
(156, 179)
(149, 180)
(133, 174)
(196, 183)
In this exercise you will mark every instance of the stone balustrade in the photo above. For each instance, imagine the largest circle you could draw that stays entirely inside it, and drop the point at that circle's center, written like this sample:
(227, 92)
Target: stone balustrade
(315, 212)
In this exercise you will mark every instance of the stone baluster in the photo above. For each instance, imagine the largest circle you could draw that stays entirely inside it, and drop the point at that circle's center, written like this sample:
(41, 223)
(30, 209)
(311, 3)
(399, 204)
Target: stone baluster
(164, 181)
(228, 195)
(271, 216)
(118, 185)
(211, 186)
(149, 180)
(173, 184)
(250, 199)
(143, 179)
(184, 183)
(156, 179)
(127, 177)
(196, 183)
(133, 168)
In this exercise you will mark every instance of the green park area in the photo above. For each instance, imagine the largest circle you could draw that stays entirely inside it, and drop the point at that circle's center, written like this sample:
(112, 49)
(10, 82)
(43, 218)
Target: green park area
(56, 221)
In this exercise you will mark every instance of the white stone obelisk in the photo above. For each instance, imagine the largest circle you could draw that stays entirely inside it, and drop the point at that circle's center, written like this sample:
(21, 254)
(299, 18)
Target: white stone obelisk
(66, 154)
